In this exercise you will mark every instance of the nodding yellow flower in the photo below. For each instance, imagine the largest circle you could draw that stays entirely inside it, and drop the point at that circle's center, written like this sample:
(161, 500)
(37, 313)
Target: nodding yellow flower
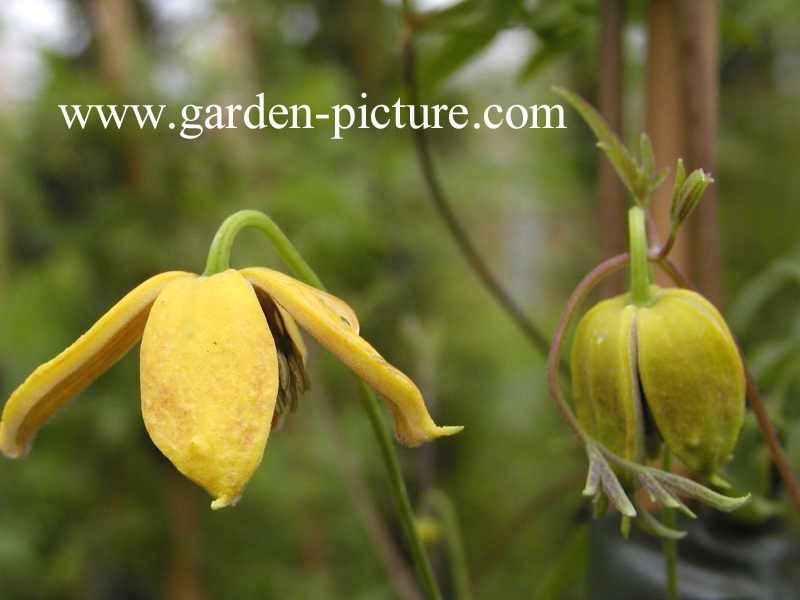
(221, 358)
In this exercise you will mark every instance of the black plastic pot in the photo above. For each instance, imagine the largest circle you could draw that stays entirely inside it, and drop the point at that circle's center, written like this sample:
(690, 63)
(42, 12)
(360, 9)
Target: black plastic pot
(720, 559)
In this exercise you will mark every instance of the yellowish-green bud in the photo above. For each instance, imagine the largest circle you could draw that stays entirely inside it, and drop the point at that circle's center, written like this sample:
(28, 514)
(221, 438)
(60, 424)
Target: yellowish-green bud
(675, 356)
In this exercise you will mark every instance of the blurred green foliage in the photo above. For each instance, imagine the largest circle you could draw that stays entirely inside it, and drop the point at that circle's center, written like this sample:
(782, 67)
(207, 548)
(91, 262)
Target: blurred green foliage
(86, 215)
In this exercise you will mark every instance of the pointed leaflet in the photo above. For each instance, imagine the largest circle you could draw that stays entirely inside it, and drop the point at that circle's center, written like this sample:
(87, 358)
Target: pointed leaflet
(658, 494)
(608, 141)
(692, 489)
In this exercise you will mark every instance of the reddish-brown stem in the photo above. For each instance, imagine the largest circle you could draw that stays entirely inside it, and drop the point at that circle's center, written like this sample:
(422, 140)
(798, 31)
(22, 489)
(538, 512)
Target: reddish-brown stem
(595, 276)
(665, 249)
(771, 436)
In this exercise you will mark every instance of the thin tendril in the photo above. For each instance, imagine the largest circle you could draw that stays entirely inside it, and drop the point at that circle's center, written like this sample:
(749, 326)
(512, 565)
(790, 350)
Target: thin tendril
(595, 276)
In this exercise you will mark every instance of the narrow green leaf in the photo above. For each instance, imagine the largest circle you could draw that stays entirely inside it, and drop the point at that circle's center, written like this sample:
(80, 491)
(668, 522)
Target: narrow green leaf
(619, 156)
(539, 58)
(456, 51)
(687, 487)
(550, 48)
(631, 181)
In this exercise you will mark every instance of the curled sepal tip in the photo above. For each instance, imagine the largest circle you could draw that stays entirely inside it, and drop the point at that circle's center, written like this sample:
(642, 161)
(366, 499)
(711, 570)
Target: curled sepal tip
(691, 489)
(330, 325)
(663, 488)
(655, 527)
(601, 478)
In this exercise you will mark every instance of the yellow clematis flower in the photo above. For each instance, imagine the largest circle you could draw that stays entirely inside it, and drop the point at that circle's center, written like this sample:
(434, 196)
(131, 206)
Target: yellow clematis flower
(221, 358)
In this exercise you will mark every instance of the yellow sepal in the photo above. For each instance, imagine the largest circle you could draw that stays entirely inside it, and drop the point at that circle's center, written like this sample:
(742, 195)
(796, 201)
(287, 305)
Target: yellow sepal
(332, 323)
(209, 379)
(57, 380)
(692, 377)
(604, 380)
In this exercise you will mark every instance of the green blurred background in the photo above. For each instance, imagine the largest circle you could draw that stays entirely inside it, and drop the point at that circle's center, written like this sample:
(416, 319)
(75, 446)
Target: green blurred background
(94, 511)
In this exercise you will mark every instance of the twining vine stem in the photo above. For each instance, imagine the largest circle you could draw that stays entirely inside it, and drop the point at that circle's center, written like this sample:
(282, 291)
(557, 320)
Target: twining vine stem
(443, 206)
(601, 271)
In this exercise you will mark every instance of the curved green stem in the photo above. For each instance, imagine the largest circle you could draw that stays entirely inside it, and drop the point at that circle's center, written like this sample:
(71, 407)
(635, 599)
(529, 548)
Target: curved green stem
(218, 260)
(220, 251)
(640, 270)
(457, 555)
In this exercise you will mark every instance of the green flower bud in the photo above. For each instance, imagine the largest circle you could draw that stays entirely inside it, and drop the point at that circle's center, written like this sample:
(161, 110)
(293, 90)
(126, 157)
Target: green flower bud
(675, 356)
